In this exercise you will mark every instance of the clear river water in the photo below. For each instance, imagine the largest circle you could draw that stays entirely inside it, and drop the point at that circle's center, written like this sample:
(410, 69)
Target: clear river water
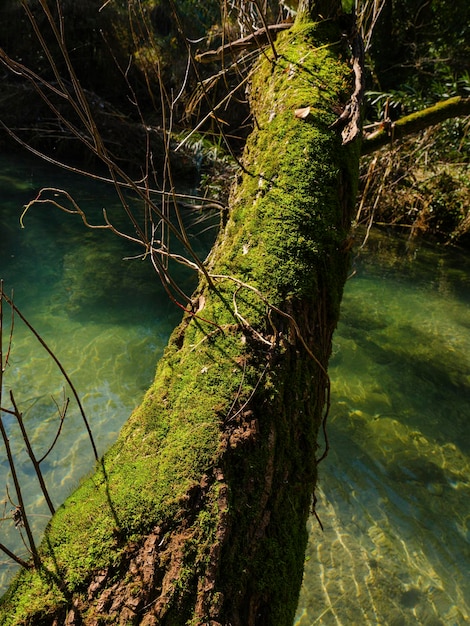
(394, 491)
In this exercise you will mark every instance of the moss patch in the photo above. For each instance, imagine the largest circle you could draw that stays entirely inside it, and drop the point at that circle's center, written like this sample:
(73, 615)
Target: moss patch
(286, 213)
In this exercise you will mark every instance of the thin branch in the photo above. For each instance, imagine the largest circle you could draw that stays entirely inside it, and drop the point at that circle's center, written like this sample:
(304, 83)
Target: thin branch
(275, 309)
(62, 413)
(211, 113)
(254, 41)
(15, 557)
(19, 495)
(32, 456)
(64, 373)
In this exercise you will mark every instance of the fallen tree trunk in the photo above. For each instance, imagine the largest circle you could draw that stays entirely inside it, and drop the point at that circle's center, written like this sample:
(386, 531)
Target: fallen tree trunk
(197, 515)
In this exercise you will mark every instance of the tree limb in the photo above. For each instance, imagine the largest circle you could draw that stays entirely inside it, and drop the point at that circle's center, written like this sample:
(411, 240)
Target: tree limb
(257, 39)
(200, 515)
(350, 120)
(390, 131)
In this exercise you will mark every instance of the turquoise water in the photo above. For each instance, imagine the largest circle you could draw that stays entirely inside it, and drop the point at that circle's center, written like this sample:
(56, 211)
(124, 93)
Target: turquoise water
(106, 319)
(394, 491)
(394, 495)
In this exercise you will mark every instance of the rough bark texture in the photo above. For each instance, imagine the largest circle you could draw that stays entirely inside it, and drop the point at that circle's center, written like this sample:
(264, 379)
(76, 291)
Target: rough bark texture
(197, 515)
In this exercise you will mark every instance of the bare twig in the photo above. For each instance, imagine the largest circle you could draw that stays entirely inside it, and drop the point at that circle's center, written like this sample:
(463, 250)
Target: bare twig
(368, 12)
(15, 557)
(91, 138)
(62, 413)
(32, 456)
(254, 41)
(61, 367)
(19, 495)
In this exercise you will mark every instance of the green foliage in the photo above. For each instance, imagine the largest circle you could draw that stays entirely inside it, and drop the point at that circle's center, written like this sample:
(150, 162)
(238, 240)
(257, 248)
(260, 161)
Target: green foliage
(419, 56)
(450, 86)
(448, 203)
(406, 98)
(452, 142)
(347, 5)
(415, 39)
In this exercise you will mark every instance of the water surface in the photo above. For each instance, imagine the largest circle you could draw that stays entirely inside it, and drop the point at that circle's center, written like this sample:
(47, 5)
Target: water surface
(394, 494)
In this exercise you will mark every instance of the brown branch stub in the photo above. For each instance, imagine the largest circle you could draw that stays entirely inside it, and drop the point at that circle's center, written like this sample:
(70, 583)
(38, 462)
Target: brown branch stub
(457, 106)
(350, 120)
(257, 39)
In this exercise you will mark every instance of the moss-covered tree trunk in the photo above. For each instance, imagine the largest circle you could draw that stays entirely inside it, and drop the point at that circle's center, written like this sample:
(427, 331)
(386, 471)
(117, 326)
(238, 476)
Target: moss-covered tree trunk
(198, 512)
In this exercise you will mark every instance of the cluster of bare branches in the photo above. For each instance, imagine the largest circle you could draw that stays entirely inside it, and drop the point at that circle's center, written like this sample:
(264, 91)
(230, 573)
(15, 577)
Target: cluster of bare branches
(368, 12)
(159, 222)
(10, 411)
(409, 188)
(157, 226)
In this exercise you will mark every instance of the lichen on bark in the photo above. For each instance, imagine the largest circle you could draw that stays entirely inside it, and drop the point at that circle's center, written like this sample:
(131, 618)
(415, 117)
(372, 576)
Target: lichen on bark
(197, 515)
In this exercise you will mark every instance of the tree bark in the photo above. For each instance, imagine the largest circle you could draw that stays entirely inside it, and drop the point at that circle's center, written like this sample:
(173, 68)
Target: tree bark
(197, 515)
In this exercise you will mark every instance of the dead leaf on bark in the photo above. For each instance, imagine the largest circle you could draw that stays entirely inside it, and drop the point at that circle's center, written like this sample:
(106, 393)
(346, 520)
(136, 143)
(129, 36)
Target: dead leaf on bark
(302, 113)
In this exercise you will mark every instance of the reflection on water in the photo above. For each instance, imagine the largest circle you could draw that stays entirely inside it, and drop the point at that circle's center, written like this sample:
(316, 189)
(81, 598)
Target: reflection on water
(394, 493)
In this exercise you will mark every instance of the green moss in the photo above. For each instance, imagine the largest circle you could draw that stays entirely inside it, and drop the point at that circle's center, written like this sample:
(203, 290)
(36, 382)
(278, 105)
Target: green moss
(281, 241)
(163, 450)
(284, 237)
(32, 593)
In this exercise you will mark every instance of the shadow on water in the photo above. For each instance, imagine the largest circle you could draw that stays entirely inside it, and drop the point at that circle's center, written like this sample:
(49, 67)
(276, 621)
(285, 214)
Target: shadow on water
(428, 377)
